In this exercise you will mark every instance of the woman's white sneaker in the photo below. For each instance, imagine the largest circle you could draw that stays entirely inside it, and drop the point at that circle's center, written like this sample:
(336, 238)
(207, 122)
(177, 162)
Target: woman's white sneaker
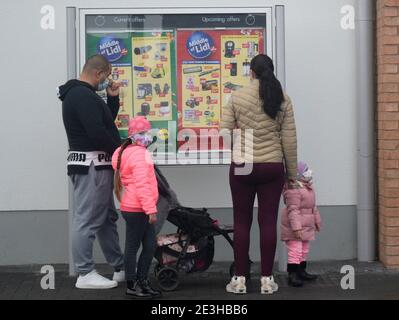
(268, 286)
(93, 280)
(237, 286)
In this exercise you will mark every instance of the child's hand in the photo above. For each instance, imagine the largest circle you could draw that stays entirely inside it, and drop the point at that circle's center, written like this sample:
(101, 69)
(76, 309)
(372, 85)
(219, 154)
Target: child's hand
(298, 234)
(318, 227)
(153, 218)
(292, 184)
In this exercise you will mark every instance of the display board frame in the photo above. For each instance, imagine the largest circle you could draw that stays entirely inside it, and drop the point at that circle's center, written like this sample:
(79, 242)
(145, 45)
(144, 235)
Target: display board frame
(213, 157)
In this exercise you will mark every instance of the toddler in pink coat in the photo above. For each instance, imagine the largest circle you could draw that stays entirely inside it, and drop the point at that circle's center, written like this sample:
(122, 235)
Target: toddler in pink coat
(299, 222)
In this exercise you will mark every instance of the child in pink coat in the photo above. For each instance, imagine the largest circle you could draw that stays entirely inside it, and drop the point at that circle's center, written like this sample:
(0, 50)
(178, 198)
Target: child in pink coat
(299, 223)
(135, 175)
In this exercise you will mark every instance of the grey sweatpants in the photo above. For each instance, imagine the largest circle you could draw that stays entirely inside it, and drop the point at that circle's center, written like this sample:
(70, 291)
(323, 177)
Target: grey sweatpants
(94, 214)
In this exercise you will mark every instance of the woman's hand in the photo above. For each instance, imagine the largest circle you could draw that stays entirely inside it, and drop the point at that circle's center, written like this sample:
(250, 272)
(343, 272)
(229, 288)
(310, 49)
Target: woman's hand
(318, 227)
(291, 184)
(152, 218)
(298, 234)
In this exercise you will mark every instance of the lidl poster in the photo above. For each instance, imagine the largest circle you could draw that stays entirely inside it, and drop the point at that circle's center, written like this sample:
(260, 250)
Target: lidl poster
(237, 53)
(124, 76)
(117, 49)
(199, 71)
(211, 65)
(183, 76)
(152, 74)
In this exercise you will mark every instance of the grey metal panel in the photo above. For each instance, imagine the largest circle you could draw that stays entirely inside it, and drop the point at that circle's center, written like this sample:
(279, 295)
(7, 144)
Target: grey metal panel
(366, 214)
(281, 75)
(71, 72)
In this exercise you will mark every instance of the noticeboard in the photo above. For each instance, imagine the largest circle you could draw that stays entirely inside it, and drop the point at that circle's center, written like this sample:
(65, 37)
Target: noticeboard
(178, 69)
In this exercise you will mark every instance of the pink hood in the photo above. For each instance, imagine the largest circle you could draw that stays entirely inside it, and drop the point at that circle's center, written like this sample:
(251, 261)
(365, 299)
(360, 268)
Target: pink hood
(138, 179)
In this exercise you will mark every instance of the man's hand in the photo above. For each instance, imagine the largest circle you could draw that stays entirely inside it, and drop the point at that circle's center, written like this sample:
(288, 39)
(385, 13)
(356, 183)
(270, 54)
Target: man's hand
(113, 89)
(298, 234)
(153, 218)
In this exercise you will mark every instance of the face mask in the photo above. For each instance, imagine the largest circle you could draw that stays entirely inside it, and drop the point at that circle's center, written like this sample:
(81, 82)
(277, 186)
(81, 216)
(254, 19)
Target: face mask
(142, 139)
(103, 85)
(308, 175)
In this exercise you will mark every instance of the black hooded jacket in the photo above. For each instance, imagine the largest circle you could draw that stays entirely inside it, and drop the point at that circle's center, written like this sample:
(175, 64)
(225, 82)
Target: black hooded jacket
(89, 121)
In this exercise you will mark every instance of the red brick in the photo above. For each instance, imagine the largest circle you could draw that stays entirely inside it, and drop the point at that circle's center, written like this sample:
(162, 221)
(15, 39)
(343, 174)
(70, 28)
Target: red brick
(388, 97)
(389, 116)
(388, 88)
(388, 135)
(388, 78)
(391, 183)
(388, 212)
(390, 231)
(390, 164)
(389, 241)
(388, 50)
(390, 39)
(389, 31)
(389, 125)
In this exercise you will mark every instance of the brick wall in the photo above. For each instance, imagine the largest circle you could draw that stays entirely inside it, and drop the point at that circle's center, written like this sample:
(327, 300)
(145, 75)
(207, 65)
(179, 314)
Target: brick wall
(388, 130)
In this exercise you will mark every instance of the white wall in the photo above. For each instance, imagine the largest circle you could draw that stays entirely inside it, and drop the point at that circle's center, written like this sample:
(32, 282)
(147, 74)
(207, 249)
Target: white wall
(320, 59)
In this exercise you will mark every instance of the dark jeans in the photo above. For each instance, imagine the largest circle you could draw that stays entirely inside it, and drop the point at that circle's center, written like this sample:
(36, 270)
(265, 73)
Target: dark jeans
(266, 181)
(138, 232)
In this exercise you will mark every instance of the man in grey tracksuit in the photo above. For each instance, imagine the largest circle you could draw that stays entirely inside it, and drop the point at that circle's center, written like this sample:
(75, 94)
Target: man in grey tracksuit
(93, 137)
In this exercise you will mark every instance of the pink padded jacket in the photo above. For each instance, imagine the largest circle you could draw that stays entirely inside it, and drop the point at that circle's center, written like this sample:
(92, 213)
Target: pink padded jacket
(138, 179)
(300, 213)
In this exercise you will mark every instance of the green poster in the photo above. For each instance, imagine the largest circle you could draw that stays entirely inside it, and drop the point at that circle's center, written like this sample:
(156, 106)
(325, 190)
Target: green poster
(154, 82)
(145, 63)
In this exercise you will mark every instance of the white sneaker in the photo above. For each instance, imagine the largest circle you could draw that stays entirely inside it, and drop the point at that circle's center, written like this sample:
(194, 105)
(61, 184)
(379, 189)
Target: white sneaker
(119, 276)
(268, 286)
(237, 286)
(93, 280)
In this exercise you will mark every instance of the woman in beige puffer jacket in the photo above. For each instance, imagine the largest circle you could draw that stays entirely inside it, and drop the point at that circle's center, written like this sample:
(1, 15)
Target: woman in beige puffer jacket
(266, 141)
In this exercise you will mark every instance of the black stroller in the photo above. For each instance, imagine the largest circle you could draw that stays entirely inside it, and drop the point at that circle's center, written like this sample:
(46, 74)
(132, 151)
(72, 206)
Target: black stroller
(192, 248)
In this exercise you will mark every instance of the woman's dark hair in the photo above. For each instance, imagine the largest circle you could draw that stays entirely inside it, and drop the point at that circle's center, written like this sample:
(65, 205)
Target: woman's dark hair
(270, 90)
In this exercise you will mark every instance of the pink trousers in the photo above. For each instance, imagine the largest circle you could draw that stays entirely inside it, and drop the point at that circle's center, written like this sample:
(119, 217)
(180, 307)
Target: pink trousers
(297, 251)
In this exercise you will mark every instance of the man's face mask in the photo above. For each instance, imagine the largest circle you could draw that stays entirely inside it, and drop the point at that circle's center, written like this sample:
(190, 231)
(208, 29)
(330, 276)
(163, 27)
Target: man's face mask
(103, 85)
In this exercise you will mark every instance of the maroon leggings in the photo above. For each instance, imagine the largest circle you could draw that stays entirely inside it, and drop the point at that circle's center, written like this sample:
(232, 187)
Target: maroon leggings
(266, 181)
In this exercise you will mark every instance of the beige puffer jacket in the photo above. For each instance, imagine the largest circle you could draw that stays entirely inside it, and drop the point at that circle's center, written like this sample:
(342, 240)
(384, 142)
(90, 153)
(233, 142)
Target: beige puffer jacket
(273, 140)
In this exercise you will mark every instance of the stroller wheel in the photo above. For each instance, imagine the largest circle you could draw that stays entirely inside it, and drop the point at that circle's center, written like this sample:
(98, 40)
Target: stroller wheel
(168, 279)
(233, 270)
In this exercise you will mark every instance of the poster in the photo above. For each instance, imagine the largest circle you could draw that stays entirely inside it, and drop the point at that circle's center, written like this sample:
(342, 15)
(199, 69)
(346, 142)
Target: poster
(237, 53)
(199, 70)
(123, 75)
(212, 64)
(117, 49)
(178, 79)
(201, 95)
(152, 76)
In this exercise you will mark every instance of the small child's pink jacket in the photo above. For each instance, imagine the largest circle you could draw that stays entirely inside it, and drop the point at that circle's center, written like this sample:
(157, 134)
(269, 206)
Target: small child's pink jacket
(300, 213)
(138, 179)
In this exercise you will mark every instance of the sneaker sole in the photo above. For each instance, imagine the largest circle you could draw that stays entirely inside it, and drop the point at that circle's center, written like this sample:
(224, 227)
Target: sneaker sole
(88, 287)
(268, 292)
(264, 292)
(242, 291)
